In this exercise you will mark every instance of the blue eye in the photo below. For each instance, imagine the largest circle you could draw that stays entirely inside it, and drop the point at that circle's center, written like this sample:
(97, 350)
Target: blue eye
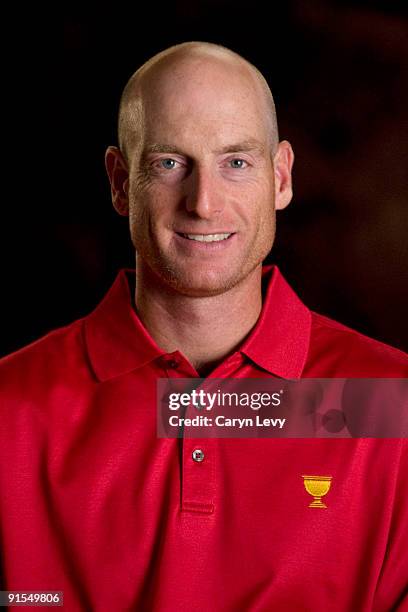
(168, 164)
(238, 163)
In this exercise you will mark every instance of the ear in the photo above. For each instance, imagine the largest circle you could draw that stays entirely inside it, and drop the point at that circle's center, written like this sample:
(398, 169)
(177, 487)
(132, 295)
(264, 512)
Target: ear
(118, 174)
(282, 163)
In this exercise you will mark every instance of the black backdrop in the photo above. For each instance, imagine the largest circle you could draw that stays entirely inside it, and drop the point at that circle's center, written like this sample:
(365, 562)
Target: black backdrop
(338, 71)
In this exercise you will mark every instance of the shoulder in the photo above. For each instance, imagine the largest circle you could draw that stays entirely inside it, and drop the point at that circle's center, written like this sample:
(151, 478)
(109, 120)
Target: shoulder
(349, 353)
(59, 353)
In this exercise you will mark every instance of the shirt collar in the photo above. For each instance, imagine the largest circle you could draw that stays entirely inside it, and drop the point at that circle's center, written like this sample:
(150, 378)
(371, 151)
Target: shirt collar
(117, 341)
(279, 342)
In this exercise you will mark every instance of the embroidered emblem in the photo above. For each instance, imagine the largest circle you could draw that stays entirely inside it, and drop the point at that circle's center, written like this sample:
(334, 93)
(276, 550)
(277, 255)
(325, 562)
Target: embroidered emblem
(317, 486)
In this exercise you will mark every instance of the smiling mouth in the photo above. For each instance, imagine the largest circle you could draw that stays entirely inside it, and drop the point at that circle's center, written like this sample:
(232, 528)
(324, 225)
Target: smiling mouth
(206, 237)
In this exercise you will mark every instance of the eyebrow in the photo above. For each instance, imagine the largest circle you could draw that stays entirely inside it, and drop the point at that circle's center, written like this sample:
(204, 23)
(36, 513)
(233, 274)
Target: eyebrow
(245, 146)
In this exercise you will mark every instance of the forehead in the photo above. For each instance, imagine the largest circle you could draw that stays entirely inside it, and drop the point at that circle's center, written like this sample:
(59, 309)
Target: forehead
(197, 98)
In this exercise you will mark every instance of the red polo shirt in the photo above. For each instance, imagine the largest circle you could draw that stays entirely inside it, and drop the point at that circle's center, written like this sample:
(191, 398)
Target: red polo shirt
(95, 505)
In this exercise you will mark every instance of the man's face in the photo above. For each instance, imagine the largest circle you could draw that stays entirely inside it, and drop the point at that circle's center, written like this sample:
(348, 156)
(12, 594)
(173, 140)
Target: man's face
(201, 181)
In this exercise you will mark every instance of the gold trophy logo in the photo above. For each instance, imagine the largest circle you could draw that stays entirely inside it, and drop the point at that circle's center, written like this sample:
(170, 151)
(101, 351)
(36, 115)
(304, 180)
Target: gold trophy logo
(317, 486)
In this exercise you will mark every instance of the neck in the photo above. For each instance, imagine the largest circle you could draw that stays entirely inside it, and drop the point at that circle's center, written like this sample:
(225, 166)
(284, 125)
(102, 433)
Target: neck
(204, 329)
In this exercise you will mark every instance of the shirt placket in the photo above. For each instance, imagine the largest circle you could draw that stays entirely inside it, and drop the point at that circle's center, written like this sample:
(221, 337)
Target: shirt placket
(198, 469)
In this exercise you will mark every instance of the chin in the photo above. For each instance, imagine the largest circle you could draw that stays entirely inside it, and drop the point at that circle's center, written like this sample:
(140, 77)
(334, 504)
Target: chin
(203, 283)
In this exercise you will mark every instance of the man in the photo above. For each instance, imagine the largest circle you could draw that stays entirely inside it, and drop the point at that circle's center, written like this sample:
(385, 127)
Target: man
(93, 503)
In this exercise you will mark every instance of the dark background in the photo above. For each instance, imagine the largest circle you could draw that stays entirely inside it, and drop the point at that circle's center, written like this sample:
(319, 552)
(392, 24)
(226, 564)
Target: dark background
(338, 71)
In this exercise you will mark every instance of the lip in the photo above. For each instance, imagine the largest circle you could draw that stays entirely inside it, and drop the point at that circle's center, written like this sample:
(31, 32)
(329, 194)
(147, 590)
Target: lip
(194, 246)
(225, 231)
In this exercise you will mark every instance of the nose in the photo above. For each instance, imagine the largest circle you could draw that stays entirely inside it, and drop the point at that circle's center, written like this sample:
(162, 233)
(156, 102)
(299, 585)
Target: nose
(204, 195)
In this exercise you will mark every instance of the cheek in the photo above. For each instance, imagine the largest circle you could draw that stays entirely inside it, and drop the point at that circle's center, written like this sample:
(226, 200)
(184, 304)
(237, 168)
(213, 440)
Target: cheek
(266, 216)
(259, 206)
(149, 220)
(137, 225)
(139, 214)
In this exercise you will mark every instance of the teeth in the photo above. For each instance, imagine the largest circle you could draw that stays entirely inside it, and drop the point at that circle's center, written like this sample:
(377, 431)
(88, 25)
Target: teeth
(207, 237)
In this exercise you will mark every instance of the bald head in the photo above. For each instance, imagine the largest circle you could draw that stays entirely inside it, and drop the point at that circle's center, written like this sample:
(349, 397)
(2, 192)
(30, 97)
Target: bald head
(206, 63)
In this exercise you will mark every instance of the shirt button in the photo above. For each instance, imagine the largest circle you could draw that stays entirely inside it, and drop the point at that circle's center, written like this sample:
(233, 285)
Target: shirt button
(173, 363)
(198, 455)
